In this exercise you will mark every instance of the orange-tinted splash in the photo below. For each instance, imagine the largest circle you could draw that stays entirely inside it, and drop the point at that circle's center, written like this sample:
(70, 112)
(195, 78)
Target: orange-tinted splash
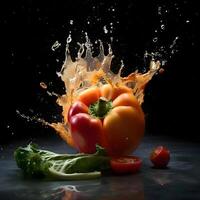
(89, 71)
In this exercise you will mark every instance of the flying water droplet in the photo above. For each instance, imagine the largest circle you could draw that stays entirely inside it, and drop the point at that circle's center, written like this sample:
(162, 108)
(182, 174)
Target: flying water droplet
(111, 39)
(55, 46)
(159, 10)
(122, 63)
(187, 21)
(163, 63)
(43, 85)
(162, 26)
(69, 39)
(105, 29)
(155, 39)
(174, 42)
(71, 22)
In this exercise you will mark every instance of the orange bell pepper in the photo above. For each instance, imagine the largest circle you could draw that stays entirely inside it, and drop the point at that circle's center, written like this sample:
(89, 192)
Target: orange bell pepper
(109, 116)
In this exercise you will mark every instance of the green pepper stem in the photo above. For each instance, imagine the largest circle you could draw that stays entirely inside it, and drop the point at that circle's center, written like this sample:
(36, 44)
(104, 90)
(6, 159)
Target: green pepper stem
(100, 108)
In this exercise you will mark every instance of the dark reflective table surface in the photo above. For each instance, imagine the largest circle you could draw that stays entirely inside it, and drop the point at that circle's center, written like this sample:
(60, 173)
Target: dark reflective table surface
(181, 180)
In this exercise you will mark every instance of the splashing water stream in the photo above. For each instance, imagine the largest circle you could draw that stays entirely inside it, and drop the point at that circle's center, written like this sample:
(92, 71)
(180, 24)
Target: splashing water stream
(89, 71)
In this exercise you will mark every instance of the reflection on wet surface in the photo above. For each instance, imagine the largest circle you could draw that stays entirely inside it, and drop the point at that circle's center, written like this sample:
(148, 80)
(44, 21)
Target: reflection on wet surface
(181, 180)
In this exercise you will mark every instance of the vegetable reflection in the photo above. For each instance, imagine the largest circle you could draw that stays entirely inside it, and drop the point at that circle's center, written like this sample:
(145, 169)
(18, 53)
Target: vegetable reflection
(107, 188)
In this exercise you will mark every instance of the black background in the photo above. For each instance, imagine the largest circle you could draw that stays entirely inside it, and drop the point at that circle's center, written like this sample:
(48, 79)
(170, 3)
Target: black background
(29, 29)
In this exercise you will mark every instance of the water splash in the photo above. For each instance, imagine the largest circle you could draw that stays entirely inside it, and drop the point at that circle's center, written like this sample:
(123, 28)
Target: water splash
(187, 21)
(155, 39)
(35, 118)
(89, 71)
(10, 129)
(43, 85)
(174, 42)
(162, 26)
(105, 29)
(163, 49)
(55, 46)
(71, 21)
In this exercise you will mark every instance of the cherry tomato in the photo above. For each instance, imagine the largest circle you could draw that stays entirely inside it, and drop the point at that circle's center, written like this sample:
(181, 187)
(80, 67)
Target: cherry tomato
(160, 157)
(126, 164)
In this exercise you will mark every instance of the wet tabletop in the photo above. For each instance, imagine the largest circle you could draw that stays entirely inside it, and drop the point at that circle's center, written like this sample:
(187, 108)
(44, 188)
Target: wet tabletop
(181, 180)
